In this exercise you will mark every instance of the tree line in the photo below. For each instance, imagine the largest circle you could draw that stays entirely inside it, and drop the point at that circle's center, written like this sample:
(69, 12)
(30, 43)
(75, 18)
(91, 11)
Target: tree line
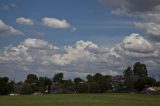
(133, 79)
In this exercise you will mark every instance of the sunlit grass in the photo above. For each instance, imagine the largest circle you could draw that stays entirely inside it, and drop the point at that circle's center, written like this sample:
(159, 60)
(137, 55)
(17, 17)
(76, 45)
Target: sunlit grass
(108, 99)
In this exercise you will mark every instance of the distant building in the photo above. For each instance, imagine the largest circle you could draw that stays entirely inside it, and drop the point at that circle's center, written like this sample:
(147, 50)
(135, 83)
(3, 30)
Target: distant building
(117, 83)
(151, 90)
(55, 89)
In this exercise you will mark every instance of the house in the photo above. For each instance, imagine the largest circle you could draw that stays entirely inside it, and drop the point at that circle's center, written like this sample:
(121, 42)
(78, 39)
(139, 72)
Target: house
(55, 89)
(151, 90)
(117, 83)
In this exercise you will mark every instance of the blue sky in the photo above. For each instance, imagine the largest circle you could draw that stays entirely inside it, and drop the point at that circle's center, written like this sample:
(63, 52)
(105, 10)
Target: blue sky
(49, 36)
(92, 20)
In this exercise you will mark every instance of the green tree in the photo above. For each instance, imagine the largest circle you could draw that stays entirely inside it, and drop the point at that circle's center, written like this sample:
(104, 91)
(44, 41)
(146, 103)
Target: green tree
(141, 83)
(128, 78)
(140, 70)
(97, 76)
(27, 89)
(57, 78)
(31, 84)
(67, 86)
(94, 87)
(18, 87)
(81, 88)
(77, 80)
(44, 84)
(89, 78)
(31, 78)
(108, 82)
(128, 72)
(149, 81)
(98, 83)
(6, 86)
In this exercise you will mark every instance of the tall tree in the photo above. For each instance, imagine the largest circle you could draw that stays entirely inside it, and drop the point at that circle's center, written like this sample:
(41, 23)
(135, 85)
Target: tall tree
(6, 86)
(89, 78)
(140, 70)
(44, 84)
(141, 83)
(127, 72)
(98, 83)
(128, 78)
(31, 78)
(57, 78)
(31, 84)
(77, 80)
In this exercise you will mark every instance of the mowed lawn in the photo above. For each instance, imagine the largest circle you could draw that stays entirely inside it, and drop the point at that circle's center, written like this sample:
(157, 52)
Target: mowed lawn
(107, 99)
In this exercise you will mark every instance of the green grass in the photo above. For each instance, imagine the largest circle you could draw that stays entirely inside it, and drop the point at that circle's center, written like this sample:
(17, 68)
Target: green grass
(109, 99)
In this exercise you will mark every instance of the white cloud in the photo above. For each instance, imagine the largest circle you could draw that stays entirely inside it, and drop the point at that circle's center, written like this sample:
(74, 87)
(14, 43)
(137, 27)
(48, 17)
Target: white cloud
(147, 11)
(25, 21)
(110, 72)
(56, 23)
(82, 58)
(8, 30)
(136, 43)
(150, 28)
(37, 43)
(30, 50)
(135, 46)
(77, 52)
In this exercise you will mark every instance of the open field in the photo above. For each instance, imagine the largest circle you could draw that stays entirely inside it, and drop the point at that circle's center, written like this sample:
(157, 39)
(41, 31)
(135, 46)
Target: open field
(108, 99)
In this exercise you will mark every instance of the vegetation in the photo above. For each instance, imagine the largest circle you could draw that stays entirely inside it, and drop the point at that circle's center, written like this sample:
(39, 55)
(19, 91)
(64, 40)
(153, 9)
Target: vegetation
(109, 99)
(132, 80)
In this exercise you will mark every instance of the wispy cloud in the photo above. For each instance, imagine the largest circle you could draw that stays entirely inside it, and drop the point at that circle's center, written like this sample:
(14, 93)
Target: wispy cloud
(8, 6)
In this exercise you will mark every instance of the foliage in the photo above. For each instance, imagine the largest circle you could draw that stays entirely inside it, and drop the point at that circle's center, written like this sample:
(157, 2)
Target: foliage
(31, 78)
(140, 70)
(5, 86)
(57, 78)
(136, 79)
(128, 77)
(77, 80)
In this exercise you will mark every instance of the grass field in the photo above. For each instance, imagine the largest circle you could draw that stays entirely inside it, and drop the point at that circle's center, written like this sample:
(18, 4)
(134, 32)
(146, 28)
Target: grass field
(108, 99)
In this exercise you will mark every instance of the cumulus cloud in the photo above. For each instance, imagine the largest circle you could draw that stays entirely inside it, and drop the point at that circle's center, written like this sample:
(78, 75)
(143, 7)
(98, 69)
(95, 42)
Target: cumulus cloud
(25, 49)
(77, 52)
(136, 47)
(136, 43)
(82, 58)
(56, 23)
(27, 57)
(25, 21)
(37, 43)
(8, 30)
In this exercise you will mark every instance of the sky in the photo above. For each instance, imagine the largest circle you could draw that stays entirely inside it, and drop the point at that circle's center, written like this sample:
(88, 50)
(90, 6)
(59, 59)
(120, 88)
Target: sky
(78, 37)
